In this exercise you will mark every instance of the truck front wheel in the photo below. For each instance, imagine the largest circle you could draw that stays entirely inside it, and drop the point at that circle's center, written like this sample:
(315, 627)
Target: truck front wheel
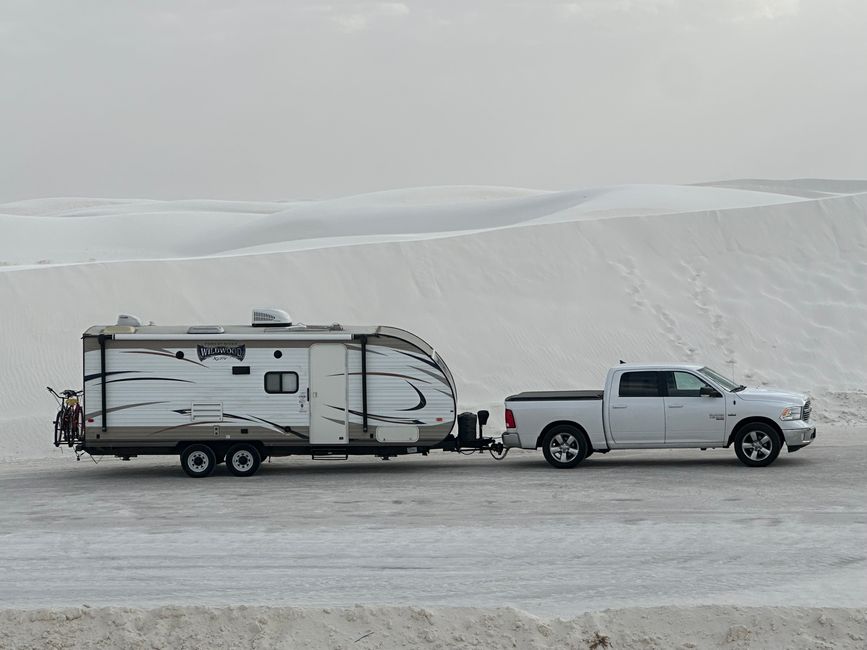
(757, 444)
(564, 446)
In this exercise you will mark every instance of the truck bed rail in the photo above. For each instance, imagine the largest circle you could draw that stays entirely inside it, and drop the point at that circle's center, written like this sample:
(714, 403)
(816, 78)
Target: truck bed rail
(558, 395)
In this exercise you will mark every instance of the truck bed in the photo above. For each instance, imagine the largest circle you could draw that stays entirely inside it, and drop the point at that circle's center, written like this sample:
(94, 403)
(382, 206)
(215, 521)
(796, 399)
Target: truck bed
(556, 395)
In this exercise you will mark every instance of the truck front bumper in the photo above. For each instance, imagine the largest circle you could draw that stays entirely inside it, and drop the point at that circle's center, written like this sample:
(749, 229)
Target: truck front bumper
(800, 435)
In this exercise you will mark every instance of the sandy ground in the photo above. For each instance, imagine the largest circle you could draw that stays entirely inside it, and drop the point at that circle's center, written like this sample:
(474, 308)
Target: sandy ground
(518, 290)
(365, 628)
(624, 530)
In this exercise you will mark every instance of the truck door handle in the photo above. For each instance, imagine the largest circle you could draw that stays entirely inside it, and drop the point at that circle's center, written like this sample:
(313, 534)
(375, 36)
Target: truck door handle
(675, 406)
(618, 407)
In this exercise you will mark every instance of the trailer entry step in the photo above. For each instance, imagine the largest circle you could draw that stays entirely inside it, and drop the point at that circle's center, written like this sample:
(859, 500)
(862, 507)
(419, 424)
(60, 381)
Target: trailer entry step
(330, 456)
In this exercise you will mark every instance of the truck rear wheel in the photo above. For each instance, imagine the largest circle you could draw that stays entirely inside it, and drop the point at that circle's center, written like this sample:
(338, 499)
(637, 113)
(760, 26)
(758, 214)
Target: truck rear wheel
(757, 444)
(198, 461)
(564, 446)
(243, 460)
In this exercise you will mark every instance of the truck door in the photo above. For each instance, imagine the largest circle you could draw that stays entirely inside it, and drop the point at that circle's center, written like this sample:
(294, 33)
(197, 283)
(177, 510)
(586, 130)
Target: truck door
(636, 413)
(690, 416)
(328, 421)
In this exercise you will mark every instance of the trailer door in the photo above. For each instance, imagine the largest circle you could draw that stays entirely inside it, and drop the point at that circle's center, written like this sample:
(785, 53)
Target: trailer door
(328, 421)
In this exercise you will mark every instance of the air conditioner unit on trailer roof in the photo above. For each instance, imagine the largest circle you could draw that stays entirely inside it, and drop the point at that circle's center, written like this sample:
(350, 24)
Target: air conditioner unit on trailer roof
(263, 317)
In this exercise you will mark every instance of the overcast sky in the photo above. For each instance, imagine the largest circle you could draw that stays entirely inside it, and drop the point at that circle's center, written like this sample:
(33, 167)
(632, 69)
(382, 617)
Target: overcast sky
(287, 99)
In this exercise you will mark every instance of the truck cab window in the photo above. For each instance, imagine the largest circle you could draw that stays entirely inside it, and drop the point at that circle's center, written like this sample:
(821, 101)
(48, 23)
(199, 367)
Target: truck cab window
(684, 384)
(639, 384)
(281, 382)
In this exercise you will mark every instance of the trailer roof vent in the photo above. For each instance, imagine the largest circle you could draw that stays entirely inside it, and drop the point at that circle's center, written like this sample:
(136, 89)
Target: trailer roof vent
(271, 318)
(205, 329)
(129, 320)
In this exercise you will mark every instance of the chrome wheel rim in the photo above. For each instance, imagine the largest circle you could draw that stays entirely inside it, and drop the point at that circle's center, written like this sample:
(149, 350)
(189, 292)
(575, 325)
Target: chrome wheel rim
(198, 462)
(757, 445)
(564, 447)
(242, 460)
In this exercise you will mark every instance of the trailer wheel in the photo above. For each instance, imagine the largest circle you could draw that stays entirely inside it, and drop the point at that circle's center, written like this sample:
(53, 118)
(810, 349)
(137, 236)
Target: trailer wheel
(243, 460)
(564, 446)
(198, 461)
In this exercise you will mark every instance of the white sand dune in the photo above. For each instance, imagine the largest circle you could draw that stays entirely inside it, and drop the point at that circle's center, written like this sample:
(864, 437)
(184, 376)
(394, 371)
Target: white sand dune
(81, 230)
(659, 628)
(518, 289)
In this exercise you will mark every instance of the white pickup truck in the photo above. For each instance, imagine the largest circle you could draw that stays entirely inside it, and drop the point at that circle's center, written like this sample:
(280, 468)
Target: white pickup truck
(659, 406)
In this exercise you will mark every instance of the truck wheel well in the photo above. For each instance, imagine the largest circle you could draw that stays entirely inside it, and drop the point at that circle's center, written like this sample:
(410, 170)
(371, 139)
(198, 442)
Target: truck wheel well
(740, 425)
(568, 423)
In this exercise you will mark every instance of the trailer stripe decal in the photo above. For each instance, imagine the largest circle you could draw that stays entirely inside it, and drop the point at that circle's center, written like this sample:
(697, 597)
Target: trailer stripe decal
(282, 429)
(122, 408)
(97, 375)
(422, 359)
(384, 418)
(243, 418)
(421, 400)
(385, 374)
(115, 381)
(164, 354)
(438, 377)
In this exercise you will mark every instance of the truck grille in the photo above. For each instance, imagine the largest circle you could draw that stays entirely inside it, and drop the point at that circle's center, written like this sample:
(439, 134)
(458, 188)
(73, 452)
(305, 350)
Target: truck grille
(805, 412)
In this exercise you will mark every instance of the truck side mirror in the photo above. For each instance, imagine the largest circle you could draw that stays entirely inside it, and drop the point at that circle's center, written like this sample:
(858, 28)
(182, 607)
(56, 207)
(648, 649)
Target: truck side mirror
(707, 391)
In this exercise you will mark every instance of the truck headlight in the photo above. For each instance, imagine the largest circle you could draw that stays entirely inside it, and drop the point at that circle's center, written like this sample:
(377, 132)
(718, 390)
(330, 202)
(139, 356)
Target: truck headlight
(791, 413)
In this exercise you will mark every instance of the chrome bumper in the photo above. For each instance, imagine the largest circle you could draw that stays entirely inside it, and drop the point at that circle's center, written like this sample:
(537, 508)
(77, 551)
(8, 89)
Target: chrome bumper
(800, 437)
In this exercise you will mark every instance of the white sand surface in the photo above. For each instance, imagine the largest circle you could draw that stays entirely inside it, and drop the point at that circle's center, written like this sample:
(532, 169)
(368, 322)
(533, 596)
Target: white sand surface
(626, 529)
(517, 289)
(392, 628)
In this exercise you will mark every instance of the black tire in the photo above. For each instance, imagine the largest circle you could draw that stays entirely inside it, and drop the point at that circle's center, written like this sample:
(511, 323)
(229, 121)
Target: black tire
(243, 460)
(58, 429)
(76, 424)
(66, 426)
(564, 446)
(757, 444)
(198, 461)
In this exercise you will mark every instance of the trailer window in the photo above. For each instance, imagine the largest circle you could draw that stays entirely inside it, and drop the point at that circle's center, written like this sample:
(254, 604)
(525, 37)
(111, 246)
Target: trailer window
(639, 384)
(281, 382)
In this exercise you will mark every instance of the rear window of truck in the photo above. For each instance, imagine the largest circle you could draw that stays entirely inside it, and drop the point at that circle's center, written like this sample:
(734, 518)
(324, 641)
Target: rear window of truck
(639, 384)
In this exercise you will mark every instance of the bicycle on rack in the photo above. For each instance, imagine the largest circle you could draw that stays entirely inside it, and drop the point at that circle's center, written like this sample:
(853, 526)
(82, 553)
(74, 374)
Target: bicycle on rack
(69, 423)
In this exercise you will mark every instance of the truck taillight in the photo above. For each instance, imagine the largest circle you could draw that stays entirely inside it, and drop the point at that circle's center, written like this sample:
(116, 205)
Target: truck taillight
(510, 419)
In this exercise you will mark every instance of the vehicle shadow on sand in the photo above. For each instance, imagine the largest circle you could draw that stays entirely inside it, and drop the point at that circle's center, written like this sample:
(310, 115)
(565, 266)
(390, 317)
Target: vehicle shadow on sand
(434, 467)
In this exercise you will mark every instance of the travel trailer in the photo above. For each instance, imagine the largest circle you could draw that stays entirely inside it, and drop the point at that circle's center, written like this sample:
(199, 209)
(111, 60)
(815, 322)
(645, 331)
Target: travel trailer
(240, 394)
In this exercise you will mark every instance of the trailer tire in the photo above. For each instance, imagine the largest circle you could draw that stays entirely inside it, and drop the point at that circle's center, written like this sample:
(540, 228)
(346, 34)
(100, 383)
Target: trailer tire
(564, 446)
(198, 460)
(243, 460)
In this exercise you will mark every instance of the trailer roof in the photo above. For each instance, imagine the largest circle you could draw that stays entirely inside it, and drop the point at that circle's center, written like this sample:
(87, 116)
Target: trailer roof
(217, 332)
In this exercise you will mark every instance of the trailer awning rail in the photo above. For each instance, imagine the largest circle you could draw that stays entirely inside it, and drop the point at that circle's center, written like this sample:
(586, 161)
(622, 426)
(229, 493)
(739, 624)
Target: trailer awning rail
(324, 336)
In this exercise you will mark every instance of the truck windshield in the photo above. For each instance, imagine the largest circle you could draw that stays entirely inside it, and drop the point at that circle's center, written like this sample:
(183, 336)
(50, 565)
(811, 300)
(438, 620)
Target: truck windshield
(728, 384)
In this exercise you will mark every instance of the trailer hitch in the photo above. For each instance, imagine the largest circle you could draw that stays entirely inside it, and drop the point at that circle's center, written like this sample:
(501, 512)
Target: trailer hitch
(471, 439)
